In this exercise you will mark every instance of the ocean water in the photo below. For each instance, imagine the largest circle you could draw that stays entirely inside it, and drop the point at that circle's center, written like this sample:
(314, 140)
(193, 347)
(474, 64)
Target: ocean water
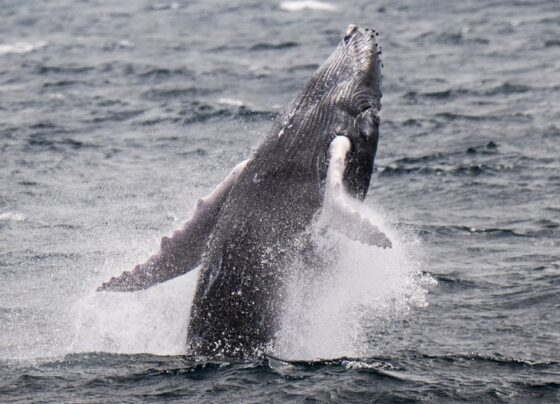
(116, 117)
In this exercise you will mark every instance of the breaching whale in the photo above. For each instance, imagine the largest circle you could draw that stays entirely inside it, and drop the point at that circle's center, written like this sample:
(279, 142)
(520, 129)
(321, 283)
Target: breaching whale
(317, 157)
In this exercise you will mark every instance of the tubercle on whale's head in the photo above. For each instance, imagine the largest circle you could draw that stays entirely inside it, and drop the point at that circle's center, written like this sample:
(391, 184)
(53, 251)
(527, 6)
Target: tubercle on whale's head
(351, 76)
(363, 65)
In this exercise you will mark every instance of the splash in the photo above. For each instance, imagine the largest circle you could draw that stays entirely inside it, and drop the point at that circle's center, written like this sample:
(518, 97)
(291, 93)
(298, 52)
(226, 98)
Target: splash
(332, 307)
(151, 321)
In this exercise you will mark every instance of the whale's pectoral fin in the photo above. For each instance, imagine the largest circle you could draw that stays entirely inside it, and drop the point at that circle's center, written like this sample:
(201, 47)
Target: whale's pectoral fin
(341, 214)
(356, 226)
(183, 251)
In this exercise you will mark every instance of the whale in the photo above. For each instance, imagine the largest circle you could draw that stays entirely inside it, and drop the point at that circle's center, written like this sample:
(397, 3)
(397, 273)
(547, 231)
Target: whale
(315, 165)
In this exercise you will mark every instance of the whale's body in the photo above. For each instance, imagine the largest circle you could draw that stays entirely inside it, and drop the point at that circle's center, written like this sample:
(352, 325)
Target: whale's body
(259, 218)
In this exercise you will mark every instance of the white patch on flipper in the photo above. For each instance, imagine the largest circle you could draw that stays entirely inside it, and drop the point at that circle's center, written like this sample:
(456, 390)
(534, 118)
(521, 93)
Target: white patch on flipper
(307, 5)
(338, 208)
(338, 150)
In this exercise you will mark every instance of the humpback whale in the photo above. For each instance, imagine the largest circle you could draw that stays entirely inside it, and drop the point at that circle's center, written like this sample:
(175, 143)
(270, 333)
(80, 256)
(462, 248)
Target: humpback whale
(316, 159)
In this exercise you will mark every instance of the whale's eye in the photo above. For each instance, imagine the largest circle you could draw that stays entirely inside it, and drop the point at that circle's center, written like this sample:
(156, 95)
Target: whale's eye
(347, 38)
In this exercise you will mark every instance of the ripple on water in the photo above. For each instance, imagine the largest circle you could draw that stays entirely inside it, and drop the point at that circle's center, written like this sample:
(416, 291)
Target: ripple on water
(110, 117)
(197, 112)
(273, 46)
(177, 93)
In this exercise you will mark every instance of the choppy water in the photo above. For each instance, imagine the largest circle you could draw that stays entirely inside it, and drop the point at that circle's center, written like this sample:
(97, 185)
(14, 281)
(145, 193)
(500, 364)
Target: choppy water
(115, 118)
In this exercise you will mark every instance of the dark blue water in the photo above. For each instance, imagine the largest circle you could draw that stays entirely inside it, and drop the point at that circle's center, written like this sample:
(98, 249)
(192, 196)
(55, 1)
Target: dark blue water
(115, 118)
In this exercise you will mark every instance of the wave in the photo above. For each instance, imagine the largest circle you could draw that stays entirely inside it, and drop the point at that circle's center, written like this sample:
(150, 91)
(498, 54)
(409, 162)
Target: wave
(163, 6)
(516, 117)
(12, 216)
(61, 83)
(21, 47)
(231, 101)
(490, 148)
(476, 160)
(541, 297)
(551, 131)
(270, 46)
(502, 89)
(469, 169)
(306, 67)
(115, 116)
(388, 362)
(46, 141)
(302, 5)
(158, 74)
(450, 38)
(405, 377)
(551, 43)
(198, 112)
(164, 94)
(454, 229)
(62, 69)
(449, 282)
(495, 358)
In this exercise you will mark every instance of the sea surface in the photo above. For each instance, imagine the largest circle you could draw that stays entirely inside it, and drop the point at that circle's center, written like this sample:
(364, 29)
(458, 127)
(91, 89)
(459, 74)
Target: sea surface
(115, 117)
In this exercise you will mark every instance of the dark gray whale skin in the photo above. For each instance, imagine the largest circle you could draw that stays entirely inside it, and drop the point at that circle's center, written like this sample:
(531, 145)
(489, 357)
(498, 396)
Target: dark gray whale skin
(275, 199)
(259, 218)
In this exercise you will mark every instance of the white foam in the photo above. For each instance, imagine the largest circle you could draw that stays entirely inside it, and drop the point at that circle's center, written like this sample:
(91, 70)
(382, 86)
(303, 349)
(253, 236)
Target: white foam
(356, 364)
(231, 101)
(165, 6)
(56, 96)
(12, 216)
(20, 47)
(150, 321)
(307, 5)
(125, 43)
(330, 310)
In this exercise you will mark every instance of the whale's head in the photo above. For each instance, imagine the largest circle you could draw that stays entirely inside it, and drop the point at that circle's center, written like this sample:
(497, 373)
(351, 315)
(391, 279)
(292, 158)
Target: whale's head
(343, 97)
(357, 65)
(352, 90)
(349, 80)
